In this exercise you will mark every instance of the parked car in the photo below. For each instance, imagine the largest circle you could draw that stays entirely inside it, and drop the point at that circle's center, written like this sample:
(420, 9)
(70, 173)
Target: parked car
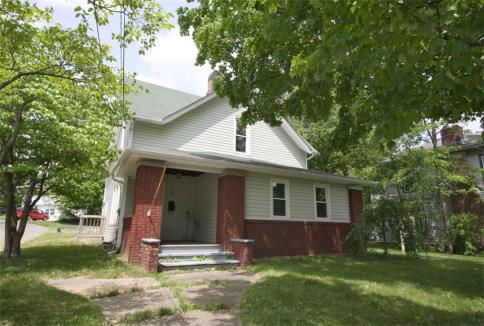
(35, 214)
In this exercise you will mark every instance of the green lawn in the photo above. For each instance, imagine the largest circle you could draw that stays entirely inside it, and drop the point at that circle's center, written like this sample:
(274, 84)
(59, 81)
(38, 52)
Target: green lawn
(26, 300)
(438, 289)
(433, 290)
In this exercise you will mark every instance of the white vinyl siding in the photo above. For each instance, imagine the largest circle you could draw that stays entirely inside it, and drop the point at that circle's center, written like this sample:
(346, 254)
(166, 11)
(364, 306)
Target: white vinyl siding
(199, 196)
(206, 207)
(210, 128)
(301, 199)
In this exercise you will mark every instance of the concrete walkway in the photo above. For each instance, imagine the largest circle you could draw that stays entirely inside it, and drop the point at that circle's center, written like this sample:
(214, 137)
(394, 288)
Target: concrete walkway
(127, 304)
(31, 231)
(234, 275)
(95, 287)
(197, 318)
(117, 299)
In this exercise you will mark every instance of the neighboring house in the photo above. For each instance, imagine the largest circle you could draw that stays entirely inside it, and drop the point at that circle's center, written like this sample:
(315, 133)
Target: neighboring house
(189, 171)
(48, 205)
(471, 151)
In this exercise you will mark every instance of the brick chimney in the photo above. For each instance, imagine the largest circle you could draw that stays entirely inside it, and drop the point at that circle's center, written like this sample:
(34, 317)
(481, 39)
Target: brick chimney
(452, 135)
(213, 75)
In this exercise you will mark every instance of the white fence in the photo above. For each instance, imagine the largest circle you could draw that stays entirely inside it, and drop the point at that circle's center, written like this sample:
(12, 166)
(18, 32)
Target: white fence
(91, 227)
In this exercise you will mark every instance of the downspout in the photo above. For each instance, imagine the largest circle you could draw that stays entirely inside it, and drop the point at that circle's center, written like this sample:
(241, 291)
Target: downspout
(309, 158)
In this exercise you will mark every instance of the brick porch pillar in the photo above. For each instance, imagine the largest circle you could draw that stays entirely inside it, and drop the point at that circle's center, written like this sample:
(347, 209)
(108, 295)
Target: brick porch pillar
(150, 248)
(230, 209)
(142, 225)
(244, 250)
(355, 197)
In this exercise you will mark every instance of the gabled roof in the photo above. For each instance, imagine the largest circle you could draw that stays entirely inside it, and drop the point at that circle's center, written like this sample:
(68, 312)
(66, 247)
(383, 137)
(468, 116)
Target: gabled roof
(162, 105)
(159, 102)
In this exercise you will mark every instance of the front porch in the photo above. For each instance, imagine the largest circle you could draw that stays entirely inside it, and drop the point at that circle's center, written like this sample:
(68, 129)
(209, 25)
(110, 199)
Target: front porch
(182, 218)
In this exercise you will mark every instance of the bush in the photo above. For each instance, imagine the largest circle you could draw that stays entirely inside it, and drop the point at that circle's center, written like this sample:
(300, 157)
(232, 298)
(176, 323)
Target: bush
(465, 233)
(379, 221)
(388, 220)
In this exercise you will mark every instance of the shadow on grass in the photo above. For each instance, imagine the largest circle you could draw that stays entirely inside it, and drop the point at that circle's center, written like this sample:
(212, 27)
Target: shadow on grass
(459, 275)
(25, 300)
(298, 300)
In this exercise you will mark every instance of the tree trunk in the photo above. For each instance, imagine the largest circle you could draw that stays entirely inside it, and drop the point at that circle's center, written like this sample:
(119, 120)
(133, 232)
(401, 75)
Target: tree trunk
(13, 235)
(15, 246)
(442, 198)
(11, 214)
(445, 220)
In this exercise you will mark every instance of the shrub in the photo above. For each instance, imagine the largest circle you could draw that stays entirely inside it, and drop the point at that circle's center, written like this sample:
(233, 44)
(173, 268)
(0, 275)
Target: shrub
(389, 220)
(465, 233)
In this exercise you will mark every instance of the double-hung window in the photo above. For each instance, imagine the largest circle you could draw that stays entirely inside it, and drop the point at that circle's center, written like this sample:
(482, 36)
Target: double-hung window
(280, 196)
(240, 137)
(321, 201)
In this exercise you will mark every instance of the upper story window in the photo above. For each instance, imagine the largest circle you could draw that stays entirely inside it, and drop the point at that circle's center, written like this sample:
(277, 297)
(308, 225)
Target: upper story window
(279, 194)
(240, 137)
(321, 198)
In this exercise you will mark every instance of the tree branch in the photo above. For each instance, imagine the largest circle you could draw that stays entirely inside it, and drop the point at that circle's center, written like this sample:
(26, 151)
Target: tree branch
(13, 137)
(42, 72)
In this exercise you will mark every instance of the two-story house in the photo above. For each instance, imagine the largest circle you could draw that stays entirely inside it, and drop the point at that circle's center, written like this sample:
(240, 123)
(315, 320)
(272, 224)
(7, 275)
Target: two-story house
(191, 175)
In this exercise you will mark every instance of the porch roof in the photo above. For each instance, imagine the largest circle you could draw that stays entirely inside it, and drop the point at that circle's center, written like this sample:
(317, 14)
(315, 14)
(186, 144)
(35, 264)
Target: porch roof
(216, 163)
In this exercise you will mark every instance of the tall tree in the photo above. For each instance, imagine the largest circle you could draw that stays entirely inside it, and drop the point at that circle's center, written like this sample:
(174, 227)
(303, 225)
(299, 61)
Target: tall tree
(387, 64)
(66, 131)
(60, 99)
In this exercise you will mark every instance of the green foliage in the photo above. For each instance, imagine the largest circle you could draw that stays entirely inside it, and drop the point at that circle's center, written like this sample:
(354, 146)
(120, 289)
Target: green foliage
(143, 19)
(387, 220)
(60, 102)
(386, 65)
(83, 191)
(357, 159)
(466, 233)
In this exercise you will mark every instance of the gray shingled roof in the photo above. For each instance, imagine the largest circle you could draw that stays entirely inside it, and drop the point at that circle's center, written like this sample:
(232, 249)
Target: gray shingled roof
(156, 102)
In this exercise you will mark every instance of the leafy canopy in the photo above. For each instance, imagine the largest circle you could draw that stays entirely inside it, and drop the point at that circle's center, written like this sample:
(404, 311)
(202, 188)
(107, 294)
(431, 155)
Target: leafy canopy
(386, 64)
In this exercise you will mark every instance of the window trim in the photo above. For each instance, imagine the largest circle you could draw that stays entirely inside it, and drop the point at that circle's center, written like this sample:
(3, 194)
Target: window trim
(328, 201)
(247, 137)
(287, 197)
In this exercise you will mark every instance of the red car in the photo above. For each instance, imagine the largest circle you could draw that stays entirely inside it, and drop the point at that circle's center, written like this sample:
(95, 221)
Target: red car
(35, 214)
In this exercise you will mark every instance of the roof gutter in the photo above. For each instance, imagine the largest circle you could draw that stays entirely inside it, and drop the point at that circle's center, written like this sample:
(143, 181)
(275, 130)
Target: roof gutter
(148, 120)
(189, 158)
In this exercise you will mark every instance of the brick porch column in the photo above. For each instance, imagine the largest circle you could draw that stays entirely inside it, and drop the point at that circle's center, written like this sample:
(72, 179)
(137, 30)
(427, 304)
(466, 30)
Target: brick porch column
(244, 250)
(150, 248)
(230, 209)
(355, 197)
(142, 225)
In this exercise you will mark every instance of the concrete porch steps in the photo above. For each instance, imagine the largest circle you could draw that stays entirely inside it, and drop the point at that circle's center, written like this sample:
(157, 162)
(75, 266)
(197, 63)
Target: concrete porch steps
(202, 248)
(193, 256)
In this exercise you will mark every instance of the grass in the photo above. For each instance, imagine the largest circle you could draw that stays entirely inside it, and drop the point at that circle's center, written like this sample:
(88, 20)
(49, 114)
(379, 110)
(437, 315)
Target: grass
(437, 289)
(148, 314)
(26, 300)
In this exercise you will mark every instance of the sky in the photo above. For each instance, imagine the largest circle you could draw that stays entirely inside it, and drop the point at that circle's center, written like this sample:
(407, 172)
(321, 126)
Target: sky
(171, 63)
